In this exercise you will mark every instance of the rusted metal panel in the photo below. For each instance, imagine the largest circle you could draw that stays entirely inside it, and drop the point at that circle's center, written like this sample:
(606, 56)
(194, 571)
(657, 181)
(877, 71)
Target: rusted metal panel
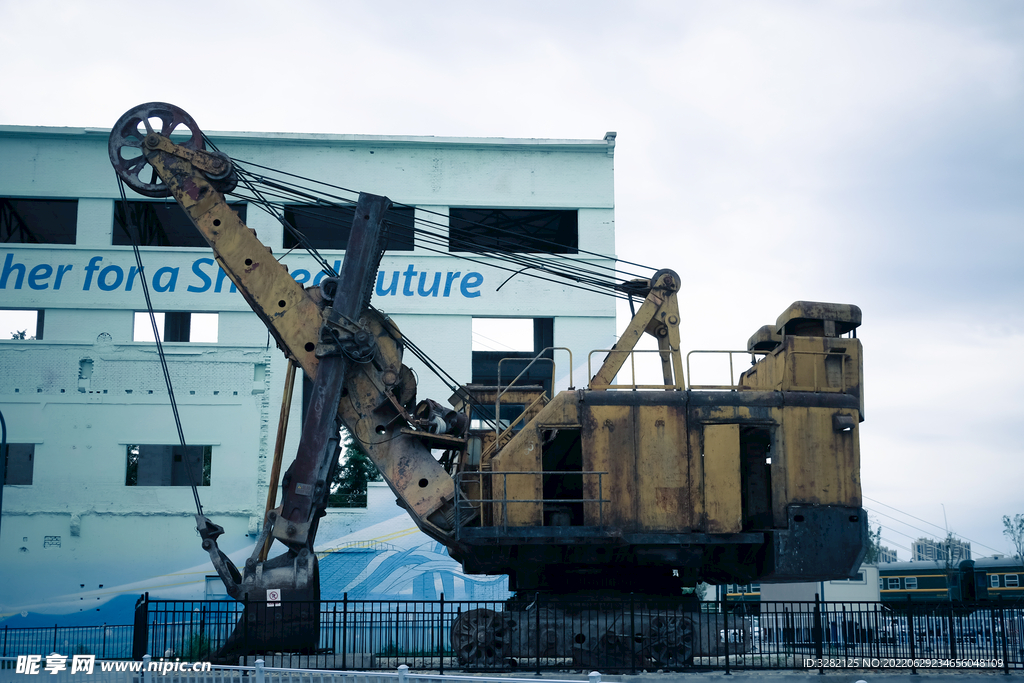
(722, 478)
(823, 465)
(662, 468)
(609, 445)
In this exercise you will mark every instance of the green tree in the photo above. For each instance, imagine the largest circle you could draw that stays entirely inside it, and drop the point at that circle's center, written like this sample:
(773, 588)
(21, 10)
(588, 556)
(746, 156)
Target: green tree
(354, 470)
(1014, 530)
(874, 544)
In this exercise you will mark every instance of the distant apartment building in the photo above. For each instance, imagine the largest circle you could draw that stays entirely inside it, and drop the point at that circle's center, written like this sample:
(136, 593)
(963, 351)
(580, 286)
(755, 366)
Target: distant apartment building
(924, 549)
(886, 555)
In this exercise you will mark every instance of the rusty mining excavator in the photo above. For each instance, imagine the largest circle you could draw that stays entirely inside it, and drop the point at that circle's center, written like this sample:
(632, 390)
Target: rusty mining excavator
(615, 488)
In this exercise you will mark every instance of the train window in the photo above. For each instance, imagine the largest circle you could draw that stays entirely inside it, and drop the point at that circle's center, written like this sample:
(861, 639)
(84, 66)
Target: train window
(1011, 580)
(911, 582)
(993, 580)
(881, 583)
(894, 583)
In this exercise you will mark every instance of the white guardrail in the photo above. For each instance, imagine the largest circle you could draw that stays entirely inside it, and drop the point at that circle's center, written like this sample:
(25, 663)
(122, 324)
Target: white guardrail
(62, 669)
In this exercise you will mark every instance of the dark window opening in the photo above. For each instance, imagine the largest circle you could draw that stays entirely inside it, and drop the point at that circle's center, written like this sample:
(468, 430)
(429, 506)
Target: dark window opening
(18, 461)
(485, 363)
(164, 465)
(38, 221)
(562, 453)
(22, 323)
(160, 224)
(329, 227)
(756, 477)
(528, 231)
(177, 326)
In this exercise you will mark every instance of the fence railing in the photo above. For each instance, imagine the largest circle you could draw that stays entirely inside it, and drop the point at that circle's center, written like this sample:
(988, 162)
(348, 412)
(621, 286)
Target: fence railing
(625, 634)
(106, 642)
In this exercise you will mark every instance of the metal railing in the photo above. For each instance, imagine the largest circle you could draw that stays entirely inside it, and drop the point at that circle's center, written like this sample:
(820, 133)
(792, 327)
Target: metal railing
(732, 373)
(680, 383)
(504, 502)
(624, 634)
(105, 641)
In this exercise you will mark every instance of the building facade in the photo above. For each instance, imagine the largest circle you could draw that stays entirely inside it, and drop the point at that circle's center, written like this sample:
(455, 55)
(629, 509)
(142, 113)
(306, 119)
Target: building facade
(96, 494)
(926, 549)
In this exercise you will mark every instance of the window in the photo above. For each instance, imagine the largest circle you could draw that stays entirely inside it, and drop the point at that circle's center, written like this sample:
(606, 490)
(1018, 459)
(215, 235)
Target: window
(160, 224)
(18, 464)
(21, 324)
(177, 326)
(162, 465)
(1011, 580)
(527, 231)
(500, 336)
(38, 221)
(911, 582)
(881, 583)
(993, 580)
(894, 583)
(859, 578)
(328, 227)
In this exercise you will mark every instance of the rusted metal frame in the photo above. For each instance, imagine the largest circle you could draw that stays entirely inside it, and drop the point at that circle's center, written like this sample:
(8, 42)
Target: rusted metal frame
(306, 479)
(732, 385)
(627, 342)
(275, 469)
(290, 314)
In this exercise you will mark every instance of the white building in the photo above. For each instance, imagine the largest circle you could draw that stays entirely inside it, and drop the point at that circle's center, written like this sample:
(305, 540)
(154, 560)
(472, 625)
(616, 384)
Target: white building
(955, 550)
(84, 509)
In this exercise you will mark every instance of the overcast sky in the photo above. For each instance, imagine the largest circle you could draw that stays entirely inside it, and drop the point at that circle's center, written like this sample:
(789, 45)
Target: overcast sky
(858, 152)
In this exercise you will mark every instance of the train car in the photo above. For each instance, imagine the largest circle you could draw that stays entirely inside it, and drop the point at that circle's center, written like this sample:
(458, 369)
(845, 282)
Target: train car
(990, 578)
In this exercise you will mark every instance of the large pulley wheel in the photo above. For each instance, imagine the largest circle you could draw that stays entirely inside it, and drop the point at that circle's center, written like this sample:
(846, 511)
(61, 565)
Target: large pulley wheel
(126, 150)
(126, 146)
(481, 638)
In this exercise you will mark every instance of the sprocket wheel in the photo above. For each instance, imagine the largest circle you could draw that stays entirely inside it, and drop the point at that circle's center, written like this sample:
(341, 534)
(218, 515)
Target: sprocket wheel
(125, 145)
(482, 638)
(670, 641)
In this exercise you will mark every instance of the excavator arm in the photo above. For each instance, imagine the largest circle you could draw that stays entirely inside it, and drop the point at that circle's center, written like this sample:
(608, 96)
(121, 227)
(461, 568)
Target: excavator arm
(353, 354)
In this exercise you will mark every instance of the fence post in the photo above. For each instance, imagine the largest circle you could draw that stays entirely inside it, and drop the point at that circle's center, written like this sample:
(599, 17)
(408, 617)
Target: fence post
(440, 636)
(402, 672)
(245, 624)
(952, 635)
(1002, 630)
(632, 633)
(54, 638)
(344, 629)
(5, 641)
(536, 631)
(147, 677)
(140, 629)
(259, 671)
(910, 636)
(594, 677)
(103, 648)
(725, 624)
(819, 646)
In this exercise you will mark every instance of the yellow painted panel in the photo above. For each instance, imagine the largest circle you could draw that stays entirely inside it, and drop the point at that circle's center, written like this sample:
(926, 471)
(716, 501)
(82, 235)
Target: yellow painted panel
(522, 454)
(722, 478)
(609, 446)
(823, 466)
(662, 468)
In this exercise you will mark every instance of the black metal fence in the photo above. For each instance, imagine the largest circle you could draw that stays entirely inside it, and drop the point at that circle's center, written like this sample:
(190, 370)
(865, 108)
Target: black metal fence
(627, 634)
(106, 642)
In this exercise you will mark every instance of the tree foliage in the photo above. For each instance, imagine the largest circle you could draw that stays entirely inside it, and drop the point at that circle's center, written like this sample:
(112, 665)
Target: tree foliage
(874, 544)
(1014, 530)
(354, 470)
